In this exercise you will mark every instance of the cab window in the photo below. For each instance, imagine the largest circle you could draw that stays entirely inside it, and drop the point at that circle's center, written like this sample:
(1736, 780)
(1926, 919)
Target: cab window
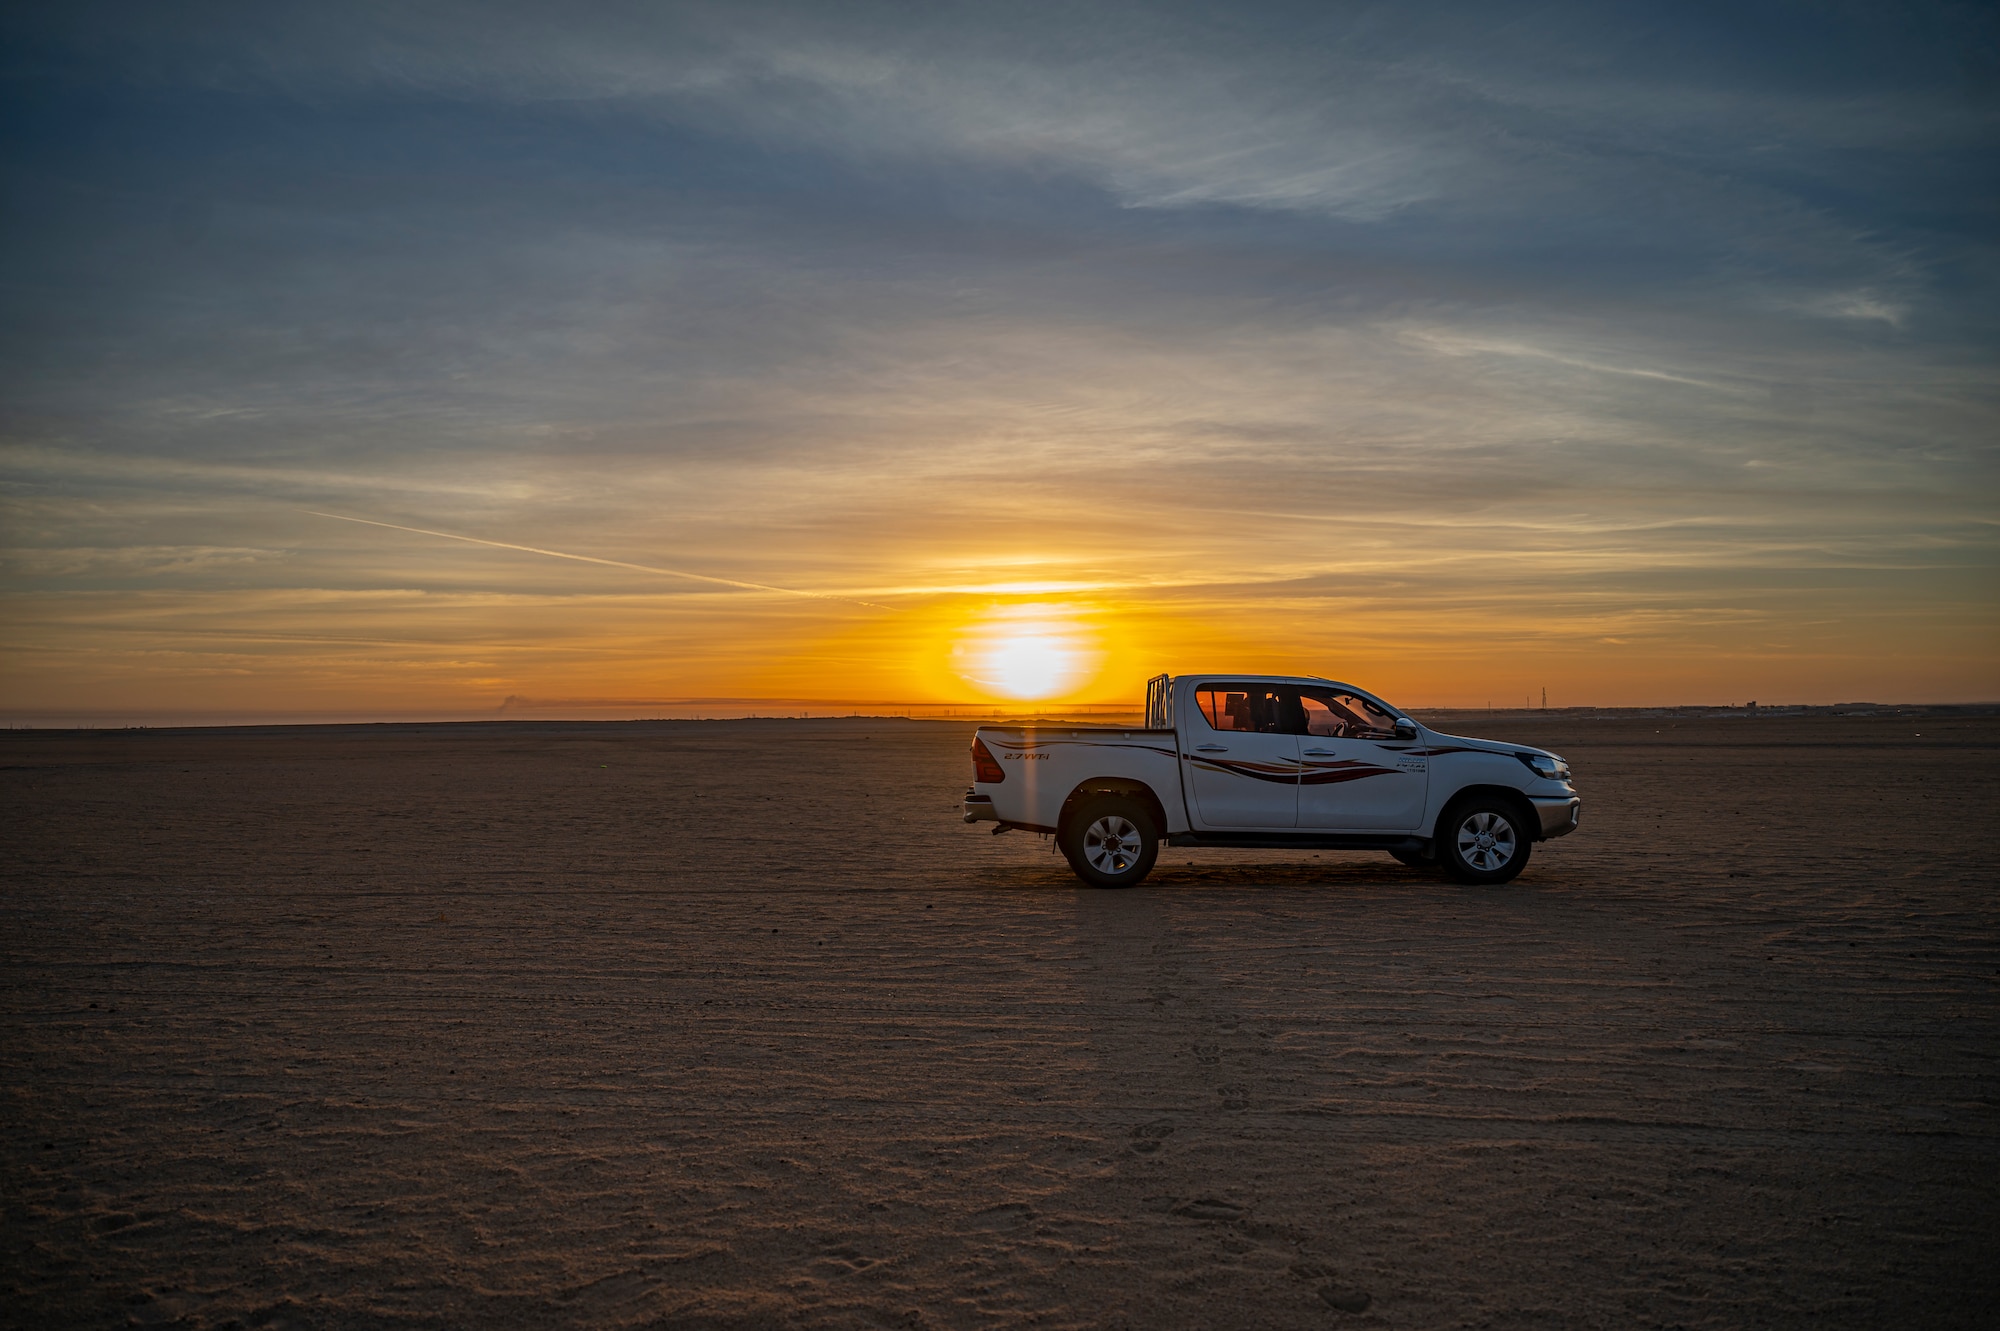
(1250, 707)
(1345, 716)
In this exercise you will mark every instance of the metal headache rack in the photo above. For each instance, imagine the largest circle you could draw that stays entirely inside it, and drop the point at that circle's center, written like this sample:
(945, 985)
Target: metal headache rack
(1160, 703)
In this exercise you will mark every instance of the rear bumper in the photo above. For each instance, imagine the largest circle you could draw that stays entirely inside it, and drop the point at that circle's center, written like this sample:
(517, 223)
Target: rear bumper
(979, 808)
(1559, 814)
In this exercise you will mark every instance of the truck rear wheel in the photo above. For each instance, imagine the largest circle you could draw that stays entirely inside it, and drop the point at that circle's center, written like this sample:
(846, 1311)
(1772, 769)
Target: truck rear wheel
(1110, 841)
(1483, 841)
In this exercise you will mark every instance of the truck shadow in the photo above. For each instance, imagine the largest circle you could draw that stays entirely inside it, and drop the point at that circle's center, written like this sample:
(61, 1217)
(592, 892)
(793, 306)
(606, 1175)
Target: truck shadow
(1357, 871)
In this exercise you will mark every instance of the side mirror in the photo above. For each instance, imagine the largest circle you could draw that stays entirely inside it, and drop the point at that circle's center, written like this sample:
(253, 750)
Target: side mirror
(1405, 728)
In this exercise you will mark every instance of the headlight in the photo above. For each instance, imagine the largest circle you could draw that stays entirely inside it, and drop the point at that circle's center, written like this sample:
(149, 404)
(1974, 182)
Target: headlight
(1547, 766)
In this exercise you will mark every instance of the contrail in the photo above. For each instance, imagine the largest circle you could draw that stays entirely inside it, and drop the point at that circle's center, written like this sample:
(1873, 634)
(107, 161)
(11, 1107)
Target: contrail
(593, 559)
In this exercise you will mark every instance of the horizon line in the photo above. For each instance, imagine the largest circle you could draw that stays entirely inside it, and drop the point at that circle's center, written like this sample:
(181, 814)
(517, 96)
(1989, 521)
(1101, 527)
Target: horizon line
(142, 718)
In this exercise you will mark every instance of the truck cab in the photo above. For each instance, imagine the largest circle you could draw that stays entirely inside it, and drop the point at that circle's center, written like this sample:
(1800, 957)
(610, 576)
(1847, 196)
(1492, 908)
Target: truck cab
(1274, 762)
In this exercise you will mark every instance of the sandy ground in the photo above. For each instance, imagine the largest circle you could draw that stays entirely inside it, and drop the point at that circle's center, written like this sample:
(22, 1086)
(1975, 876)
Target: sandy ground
(735, 1024)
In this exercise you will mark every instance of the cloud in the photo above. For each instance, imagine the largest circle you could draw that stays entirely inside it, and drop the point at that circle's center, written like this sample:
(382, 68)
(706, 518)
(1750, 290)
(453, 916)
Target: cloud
(1434, 308)
(158, 561)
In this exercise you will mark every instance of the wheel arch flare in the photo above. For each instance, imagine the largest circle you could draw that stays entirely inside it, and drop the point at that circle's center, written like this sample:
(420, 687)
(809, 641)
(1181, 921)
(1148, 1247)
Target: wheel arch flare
(1531, 821)
(1114, 785)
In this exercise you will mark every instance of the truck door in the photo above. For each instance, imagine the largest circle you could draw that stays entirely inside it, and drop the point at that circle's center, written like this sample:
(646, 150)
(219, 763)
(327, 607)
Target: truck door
(1241, 756)
(1356, 775)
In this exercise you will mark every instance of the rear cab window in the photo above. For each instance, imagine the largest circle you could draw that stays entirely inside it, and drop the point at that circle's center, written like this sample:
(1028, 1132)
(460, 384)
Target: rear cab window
(1257, 708)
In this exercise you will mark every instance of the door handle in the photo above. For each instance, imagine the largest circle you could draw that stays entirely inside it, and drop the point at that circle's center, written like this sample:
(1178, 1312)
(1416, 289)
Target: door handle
(1211, 748)
(1319, 753)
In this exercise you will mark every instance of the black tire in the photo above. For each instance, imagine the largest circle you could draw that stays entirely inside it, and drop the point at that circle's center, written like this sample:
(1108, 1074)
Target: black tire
(1484, 840)
(1110, 841)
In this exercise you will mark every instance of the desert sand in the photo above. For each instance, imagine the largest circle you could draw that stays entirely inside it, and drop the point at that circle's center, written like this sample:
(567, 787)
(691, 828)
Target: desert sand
(734, 1024)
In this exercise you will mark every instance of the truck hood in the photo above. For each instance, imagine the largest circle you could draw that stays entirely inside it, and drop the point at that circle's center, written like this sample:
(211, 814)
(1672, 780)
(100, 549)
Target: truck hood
(1437, 739)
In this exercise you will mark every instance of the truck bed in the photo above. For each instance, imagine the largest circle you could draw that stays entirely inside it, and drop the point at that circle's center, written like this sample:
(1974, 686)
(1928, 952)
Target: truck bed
(1044, 763)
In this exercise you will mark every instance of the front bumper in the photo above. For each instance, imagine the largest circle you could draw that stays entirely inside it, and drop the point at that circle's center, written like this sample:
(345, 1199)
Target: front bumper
(979, 808)
(1559, 813)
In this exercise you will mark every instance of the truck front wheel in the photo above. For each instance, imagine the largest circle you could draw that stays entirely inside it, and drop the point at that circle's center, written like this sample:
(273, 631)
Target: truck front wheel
(1483, 841)
(1110, 841)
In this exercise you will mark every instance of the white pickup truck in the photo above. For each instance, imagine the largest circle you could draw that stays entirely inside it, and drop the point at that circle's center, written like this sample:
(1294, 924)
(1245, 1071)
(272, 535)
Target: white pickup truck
(1269, 761)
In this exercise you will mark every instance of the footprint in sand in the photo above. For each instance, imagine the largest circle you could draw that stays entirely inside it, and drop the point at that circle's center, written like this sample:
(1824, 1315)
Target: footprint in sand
(1147, 1137)
(1209, 1208)
(1005, 1216)
(1346, 1299)
(1342, 1298)
(847, 1258)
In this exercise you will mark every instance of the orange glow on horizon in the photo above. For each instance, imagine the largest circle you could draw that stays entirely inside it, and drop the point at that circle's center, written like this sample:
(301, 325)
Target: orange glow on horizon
(1454, 625)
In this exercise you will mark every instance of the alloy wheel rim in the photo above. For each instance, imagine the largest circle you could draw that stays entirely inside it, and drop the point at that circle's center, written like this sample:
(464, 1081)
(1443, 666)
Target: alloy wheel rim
(1111, 844)
(1486, 841)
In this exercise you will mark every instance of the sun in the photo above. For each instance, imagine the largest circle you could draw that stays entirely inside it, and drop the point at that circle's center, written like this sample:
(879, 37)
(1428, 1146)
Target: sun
(1028, 653)
(1038, 666)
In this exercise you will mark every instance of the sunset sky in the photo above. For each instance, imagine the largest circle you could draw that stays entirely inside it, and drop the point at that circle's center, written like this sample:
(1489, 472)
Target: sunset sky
(995, 352)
